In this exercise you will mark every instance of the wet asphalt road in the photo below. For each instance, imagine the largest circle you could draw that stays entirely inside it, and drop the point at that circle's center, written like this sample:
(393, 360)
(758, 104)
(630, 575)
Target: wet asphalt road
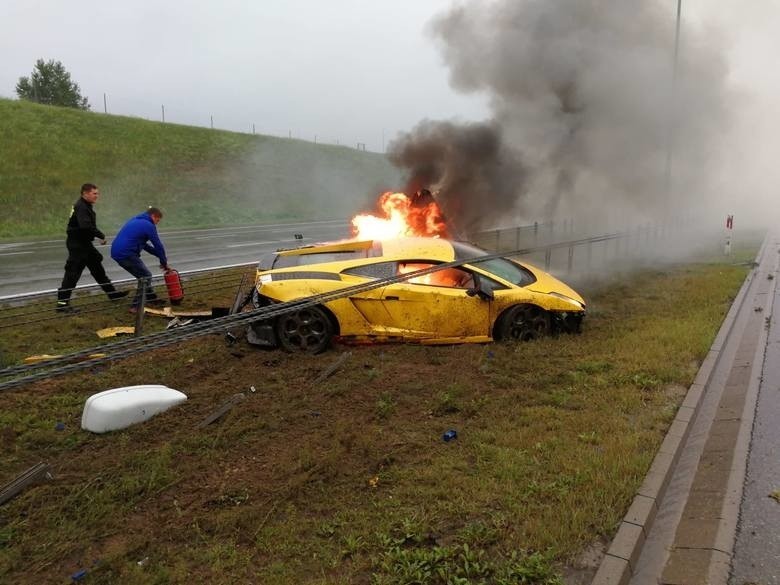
(39, 265)
(757, 549)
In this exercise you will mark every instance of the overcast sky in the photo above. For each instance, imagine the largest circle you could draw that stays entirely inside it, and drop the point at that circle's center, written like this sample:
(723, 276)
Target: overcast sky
(346, 70)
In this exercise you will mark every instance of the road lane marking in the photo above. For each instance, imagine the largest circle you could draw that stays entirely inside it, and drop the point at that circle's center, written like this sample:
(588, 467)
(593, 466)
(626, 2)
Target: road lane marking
(14, 253)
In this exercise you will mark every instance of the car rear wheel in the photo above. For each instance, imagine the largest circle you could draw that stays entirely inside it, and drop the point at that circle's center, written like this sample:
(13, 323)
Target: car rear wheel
(524, 323)
(308, 330)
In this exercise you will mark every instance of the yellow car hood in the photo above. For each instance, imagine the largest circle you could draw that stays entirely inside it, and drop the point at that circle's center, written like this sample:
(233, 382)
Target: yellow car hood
(546, 283)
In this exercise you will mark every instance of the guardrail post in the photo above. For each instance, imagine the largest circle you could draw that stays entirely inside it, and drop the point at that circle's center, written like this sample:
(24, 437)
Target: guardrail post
(536, 232)
(498, 240)
(547, 258)
(139, 315)
(571, 259)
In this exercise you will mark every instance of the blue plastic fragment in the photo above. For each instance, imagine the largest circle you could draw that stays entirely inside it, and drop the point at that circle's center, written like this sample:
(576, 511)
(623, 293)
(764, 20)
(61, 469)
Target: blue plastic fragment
(450, 435)
(79, 575)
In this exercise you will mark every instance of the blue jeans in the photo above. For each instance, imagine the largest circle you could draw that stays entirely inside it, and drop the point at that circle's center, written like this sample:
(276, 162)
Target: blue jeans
(135, 266)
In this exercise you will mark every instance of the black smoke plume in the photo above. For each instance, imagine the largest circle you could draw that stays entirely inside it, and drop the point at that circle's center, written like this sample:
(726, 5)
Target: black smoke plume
(585, 113)
(475, 172)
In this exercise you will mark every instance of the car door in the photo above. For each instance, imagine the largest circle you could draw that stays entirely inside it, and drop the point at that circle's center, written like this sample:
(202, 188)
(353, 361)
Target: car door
(436, 306)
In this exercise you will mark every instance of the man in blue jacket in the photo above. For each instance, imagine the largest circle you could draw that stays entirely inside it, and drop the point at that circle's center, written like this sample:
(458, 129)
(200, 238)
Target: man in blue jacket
(140, 233)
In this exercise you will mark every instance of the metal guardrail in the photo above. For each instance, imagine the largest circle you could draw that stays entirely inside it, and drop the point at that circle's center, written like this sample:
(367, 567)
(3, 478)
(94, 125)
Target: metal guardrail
(121, 349)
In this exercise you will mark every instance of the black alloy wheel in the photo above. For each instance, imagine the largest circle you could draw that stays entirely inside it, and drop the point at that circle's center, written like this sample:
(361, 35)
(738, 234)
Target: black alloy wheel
(308, 330)
(524, 323)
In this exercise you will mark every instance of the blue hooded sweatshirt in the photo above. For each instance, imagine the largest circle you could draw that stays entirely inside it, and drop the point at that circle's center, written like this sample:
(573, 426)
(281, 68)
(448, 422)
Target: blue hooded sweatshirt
(134, 236)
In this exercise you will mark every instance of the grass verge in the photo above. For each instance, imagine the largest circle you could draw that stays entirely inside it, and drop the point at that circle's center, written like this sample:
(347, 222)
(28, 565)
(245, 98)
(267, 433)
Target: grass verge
(197, 176)
(348, 480)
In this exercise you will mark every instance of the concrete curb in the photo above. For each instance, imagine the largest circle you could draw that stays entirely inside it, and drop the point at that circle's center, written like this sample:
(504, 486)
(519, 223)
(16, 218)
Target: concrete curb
(725, 541)
(619, 563)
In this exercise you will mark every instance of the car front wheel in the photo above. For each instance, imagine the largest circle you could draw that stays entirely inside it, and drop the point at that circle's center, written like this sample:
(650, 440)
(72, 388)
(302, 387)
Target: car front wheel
(523, 323)
(308, 330)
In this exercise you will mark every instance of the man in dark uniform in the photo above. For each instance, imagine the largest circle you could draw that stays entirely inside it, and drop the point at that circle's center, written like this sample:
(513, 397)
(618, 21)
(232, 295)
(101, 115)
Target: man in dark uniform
(82, 229)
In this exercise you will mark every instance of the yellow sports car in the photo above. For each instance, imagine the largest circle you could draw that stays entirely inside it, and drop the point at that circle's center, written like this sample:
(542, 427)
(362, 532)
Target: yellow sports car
(479, 301)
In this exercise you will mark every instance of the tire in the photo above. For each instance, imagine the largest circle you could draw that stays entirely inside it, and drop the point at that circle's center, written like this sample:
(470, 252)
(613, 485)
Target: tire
(523, 323)
(308, 331)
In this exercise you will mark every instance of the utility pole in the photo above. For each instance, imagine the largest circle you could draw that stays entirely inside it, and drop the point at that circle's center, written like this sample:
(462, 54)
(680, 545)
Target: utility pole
(670, 130)
(105, 105)
(163, 112)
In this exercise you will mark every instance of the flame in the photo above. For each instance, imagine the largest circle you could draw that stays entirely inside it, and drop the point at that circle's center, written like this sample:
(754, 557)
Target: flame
(402, 217)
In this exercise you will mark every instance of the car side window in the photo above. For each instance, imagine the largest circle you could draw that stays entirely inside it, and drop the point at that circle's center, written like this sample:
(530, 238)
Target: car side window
(486, 283)
(447, 277)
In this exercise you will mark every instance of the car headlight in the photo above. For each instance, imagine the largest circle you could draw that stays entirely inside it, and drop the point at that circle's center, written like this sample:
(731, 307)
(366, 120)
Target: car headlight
(574, 302)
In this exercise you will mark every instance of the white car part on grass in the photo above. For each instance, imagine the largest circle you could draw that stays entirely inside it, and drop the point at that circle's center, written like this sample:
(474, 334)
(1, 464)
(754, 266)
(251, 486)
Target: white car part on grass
(118, 408)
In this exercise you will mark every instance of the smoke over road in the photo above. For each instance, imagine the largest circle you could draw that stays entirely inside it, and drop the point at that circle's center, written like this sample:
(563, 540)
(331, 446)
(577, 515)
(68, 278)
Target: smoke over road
(584, 112)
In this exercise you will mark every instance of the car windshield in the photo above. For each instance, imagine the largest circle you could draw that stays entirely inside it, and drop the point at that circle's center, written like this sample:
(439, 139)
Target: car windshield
(504, 268)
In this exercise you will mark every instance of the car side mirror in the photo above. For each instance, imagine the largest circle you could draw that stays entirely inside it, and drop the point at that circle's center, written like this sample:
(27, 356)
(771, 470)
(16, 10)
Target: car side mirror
(485, 295)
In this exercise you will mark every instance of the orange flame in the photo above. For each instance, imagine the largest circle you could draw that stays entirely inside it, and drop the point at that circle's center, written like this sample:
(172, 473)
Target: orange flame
(402, 217)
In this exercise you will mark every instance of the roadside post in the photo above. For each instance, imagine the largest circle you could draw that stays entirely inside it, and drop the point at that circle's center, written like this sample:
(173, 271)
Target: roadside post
(729, 228)
(139, 315)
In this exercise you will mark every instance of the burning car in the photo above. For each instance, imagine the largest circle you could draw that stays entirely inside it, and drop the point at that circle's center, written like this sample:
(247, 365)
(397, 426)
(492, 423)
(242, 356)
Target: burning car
(481, 300)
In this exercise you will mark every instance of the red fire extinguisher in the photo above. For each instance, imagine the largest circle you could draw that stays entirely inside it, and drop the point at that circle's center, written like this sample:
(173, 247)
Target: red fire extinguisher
(174, 286)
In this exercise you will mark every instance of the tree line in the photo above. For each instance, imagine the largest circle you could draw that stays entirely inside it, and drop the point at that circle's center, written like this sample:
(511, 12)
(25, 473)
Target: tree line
(50, 84)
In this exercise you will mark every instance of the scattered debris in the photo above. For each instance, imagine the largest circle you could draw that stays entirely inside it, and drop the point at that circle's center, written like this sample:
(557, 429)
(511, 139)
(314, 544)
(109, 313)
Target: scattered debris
(33, 475)
(758, 309)
(60, 426)
(118, 408)
(78, 575)
(373, 481)
(143, 561)
(114, 331)
(252, 389)
(169, 312)
(770, 276)
(449, 435)
(330, 370)
(224, 408)
(775, 495)
(178, 322)
(34, 359)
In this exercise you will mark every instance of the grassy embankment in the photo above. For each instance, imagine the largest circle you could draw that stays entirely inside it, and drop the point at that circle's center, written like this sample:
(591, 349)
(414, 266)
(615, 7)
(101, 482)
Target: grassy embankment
(198, 176)
(348, 480)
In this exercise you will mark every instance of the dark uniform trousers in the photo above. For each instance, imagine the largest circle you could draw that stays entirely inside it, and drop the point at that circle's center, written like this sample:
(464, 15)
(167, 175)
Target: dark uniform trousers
(82, 255)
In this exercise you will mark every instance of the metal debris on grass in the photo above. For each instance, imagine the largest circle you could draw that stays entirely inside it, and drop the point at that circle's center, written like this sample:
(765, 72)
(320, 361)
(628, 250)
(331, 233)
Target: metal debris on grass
(775, 495)
(178, 322)
(33, 475)
(330, 370)
(222, 410)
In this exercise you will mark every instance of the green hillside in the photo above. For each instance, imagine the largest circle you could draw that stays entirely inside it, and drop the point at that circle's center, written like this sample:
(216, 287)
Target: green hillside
(197, 176)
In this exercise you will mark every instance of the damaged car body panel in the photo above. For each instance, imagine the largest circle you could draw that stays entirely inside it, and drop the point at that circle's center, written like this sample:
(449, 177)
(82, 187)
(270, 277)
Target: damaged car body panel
(476, 302)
